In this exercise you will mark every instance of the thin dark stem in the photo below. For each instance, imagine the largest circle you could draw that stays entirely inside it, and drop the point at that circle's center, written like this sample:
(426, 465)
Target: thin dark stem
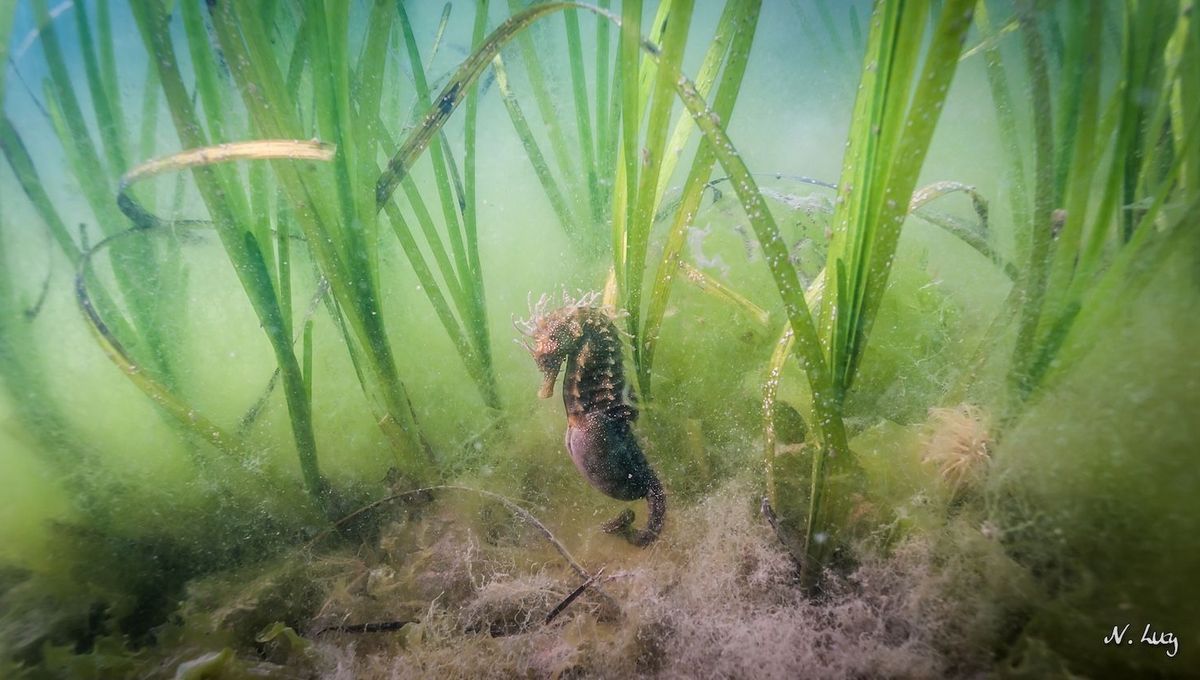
(573, 596)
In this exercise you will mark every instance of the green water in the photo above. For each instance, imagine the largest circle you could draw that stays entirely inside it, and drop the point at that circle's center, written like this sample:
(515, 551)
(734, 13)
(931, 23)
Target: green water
(977, 533)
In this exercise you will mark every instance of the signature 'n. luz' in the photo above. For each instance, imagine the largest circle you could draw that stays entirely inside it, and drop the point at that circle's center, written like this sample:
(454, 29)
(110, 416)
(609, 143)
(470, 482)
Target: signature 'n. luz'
(1149, 637)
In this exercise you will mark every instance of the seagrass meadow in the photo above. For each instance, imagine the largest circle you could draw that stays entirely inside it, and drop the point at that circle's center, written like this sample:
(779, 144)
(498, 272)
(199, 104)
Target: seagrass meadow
(906, 296)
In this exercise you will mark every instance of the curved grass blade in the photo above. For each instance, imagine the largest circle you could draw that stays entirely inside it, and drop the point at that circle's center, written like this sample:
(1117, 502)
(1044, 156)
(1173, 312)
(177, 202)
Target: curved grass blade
(540, 167)
(160, 394)
(227, 205)
(137, 282)
(258, 287)
(637, 230)
(532, 63)
(1033, 283)
(342, 258)
(744, 184)
(736, 27)
(438, 154)
(783, 349)
(723, 292)
(455, 91)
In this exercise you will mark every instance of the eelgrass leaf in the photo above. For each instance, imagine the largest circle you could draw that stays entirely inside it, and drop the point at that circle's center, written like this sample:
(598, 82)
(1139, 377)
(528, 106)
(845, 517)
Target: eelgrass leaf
(811, 36)
(8, 9)
(437, 157)
(471, 309)
(88, 168)
(433, 292)
(638, 230)
(470, 134)
(455, 91)
(160, 394)
(68, 120)
(297, 386)
(732, 17)
(605, 120)
(537, 159)
(890, 134)
(148, 121)
(1033, 283)
(366, 121)
(831, 30)
(1185, 91)
(625, 184)
(856, 34)
(23, 168)
(136, 280)
(27, 177)
(1076, 173)
(740, 19)
(107, 123)
(1002, 101)
(723, 292)
(1070, 83)
(544, 102)
(283, 259)
(826, 404)
(108, 73)
(251, 61)
(226, 203)
(1133, 263)
(783, 350)
(583, 124)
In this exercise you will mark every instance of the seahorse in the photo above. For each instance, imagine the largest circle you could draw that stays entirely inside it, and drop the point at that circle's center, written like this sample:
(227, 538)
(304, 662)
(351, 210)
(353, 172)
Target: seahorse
(600, 407)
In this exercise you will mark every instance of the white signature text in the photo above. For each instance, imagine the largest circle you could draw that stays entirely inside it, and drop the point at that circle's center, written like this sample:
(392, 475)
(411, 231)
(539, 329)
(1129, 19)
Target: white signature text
(1149, 637)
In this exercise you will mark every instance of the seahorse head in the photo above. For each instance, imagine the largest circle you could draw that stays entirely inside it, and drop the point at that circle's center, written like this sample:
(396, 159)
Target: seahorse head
(554, 335)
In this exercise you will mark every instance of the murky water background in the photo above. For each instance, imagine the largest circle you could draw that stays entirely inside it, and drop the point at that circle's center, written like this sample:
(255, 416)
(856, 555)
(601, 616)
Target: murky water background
(127, 549)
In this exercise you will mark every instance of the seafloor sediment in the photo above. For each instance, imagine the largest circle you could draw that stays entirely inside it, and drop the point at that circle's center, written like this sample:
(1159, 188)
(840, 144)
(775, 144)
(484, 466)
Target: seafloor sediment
(718, 596)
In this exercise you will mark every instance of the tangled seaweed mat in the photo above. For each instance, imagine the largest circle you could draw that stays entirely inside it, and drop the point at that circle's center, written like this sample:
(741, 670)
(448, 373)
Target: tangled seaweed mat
(716, 597)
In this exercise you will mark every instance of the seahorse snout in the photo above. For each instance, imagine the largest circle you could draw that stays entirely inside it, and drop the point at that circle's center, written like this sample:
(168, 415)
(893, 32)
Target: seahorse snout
(547, 389)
